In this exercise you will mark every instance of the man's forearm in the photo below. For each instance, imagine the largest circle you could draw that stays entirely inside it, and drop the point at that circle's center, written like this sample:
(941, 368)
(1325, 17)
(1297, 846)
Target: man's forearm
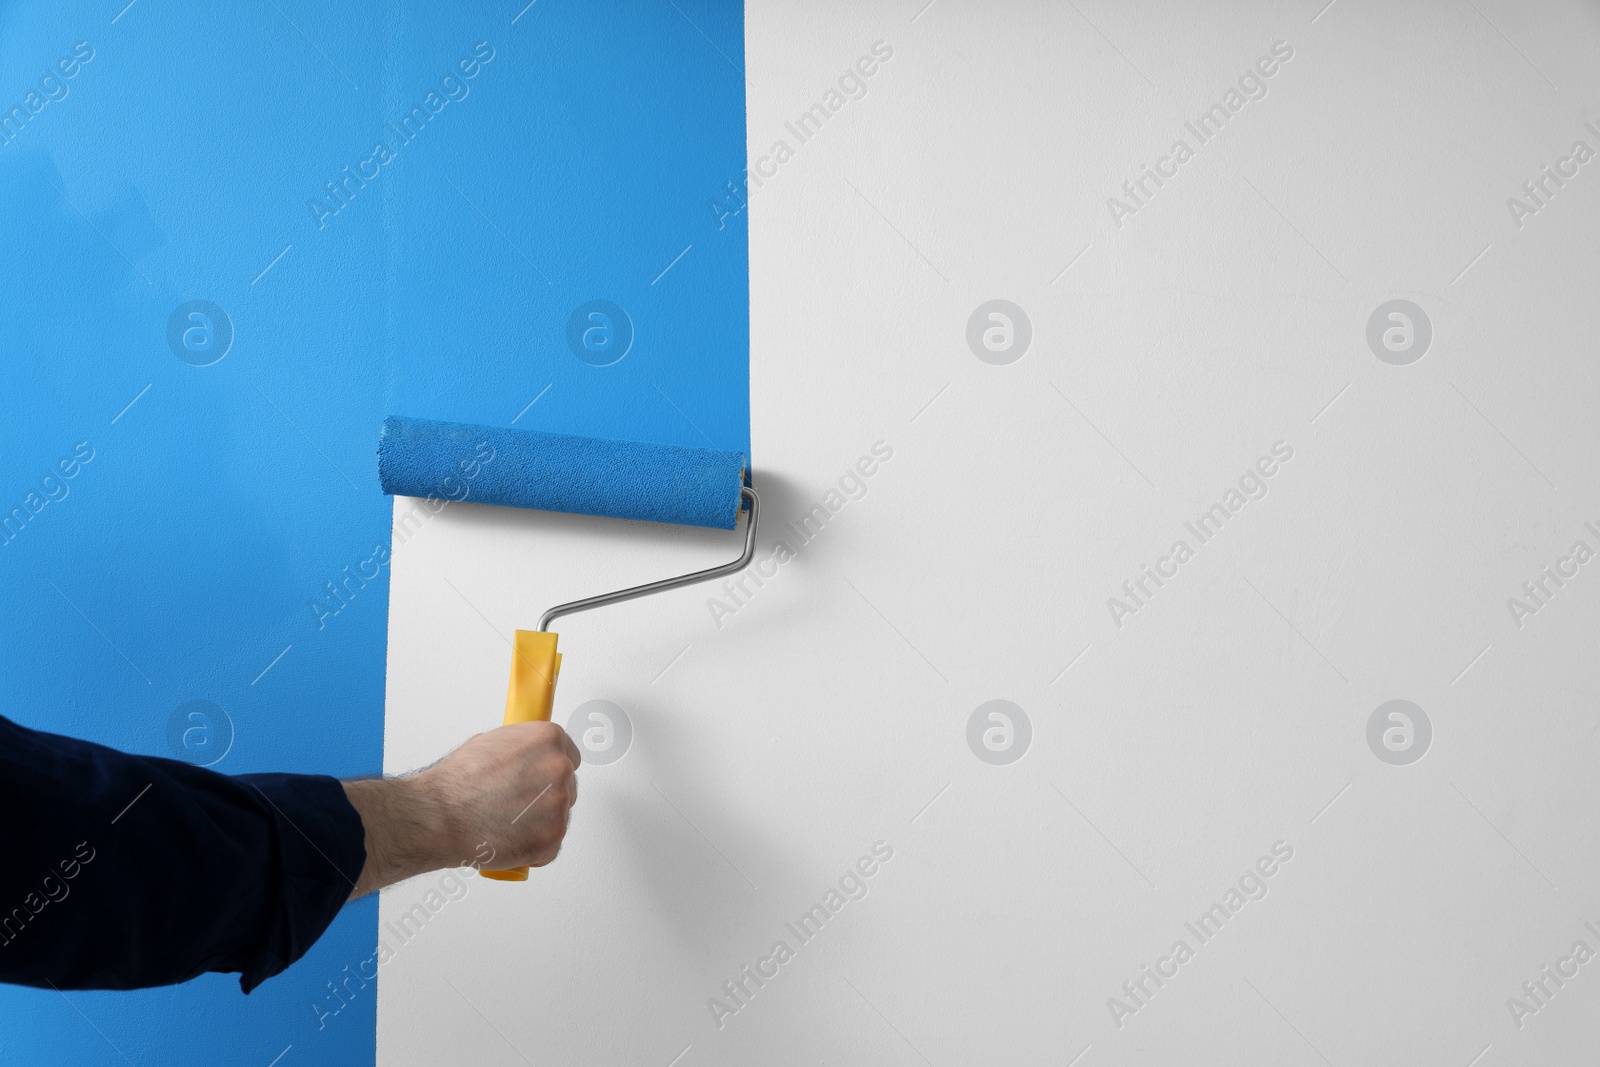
(408, 830)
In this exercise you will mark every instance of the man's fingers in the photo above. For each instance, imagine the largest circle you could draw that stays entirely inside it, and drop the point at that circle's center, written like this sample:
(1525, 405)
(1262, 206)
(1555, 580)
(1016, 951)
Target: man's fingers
(571, 749)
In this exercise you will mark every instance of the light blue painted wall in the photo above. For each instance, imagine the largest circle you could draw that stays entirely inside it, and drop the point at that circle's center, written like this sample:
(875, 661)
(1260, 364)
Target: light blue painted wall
(182, 559)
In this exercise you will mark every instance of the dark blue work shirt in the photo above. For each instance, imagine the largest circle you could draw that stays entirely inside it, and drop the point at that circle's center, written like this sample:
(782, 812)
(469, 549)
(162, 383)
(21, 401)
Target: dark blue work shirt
(120, 871)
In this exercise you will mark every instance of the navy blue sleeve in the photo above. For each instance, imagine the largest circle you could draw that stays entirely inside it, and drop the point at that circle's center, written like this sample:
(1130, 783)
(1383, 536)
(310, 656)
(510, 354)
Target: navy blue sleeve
(123, 871)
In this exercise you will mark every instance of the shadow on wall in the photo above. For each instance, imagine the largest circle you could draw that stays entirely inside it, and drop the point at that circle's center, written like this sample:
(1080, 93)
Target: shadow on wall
(675, 753)
(793, 517)
(671, 822)
(664, 832)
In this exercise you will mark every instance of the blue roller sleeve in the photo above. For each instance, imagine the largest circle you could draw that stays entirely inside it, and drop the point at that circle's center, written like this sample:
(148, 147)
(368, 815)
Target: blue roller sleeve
(560, 472)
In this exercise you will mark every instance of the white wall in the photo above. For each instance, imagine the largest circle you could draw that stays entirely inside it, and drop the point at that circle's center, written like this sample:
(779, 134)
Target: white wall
(1170, 753)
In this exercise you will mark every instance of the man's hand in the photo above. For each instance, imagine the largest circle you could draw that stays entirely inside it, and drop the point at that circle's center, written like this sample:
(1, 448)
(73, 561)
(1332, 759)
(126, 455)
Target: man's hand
(510, 789)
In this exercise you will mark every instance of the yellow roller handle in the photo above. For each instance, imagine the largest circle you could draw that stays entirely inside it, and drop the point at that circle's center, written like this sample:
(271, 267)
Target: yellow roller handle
(535, 666)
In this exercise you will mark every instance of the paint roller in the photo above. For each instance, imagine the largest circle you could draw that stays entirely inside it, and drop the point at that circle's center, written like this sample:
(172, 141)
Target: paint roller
(583, 475)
